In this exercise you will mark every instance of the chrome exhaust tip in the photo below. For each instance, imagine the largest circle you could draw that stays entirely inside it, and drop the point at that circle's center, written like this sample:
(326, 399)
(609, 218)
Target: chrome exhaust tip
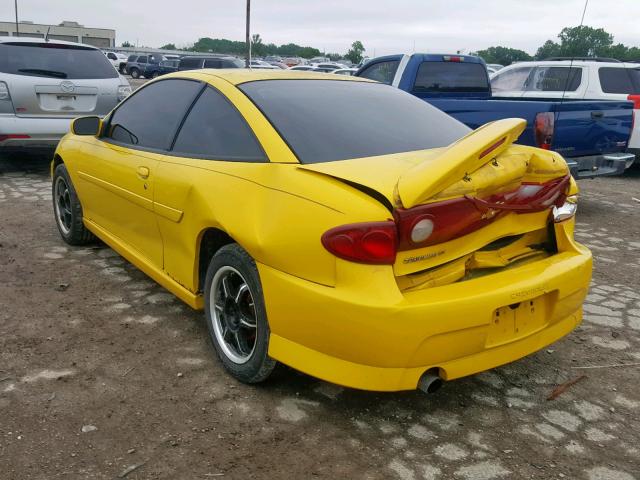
(430, 381)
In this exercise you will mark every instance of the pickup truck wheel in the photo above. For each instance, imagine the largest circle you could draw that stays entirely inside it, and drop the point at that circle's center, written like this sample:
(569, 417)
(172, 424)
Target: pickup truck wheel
(135, 73)
(67, 209)
(236, 316)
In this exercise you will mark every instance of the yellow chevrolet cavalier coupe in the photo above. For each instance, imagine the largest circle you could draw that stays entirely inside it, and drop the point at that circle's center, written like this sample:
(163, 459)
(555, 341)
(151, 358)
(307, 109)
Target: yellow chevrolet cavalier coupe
(340, 226)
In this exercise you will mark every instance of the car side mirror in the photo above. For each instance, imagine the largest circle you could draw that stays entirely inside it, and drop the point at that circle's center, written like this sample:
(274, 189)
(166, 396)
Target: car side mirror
(87, 126)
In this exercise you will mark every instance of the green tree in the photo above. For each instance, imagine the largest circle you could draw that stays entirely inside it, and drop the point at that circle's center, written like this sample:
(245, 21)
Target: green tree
(581, 41)
(169, 46)
(503, 55)
(354, 54)
(548, 49)
(257, 47)
(232, 47)
(126, 44)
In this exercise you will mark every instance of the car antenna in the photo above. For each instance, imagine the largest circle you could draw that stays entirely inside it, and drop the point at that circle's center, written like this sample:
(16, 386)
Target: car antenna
(46, 35)
(566, 83)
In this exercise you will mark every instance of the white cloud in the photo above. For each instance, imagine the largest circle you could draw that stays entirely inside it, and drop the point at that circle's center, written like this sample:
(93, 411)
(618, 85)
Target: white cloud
(383, 26)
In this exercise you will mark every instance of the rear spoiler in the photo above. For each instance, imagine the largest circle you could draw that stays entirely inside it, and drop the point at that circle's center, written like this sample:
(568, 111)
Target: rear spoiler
(457, 161)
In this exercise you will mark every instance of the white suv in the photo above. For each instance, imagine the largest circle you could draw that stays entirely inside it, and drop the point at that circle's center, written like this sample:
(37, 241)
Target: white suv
(45, 84)
(118, 60)
(584, 79)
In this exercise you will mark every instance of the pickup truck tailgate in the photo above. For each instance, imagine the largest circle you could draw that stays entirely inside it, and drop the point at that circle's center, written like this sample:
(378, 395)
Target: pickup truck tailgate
(591, 128)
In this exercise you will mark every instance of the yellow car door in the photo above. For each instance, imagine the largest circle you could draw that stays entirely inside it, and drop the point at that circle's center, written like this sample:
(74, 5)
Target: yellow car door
(214, 149)
(118, 172)
(117, 194)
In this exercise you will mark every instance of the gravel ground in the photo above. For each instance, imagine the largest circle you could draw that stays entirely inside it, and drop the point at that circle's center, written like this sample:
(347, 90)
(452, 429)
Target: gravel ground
(103, 374)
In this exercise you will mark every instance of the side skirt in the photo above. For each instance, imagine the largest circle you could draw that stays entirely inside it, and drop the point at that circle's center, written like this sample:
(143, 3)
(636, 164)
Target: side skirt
(193, 300)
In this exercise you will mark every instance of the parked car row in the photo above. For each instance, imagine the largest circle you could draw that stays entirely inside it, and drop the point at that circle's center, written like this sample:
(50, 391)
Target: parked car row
(596, 136)
(151, 66)
(593, 135)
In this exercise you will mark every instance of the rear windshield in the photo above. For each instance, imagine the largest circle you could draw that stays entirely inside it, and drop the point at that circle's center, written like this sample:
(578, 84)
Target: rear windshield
(54, 61)
(328, 120)
(620, 80)
(436, 77)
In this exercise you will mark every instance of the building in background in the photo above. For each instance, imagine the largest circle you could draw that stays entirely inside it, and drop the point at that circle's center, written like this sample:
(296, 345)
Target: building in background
(69, 31)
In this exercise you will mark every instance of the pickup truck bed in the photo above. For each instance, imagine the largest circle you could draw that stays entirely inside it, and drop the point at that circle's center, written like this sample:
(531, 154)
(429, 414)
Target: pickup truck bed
(591, 135)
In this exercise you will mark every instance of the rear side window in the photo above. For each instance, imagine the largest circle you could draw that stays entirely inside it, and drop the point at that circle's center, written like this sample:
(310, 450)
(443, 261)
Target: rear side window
(510, 80)
(437, 77)
(619, 80)
(214, 129)
(327, 120)
(555, 79)
(132, 58)
(150, 117)
(382, 72)
(189, 63)
(142, 59)
(232, 63)
(212, 63)
(54, 61)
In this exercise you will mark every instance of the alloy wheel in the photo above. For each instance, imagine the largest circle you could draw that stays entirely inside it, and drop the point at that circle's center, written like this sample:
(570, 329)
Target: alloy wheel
(63, 205)
(234, 314)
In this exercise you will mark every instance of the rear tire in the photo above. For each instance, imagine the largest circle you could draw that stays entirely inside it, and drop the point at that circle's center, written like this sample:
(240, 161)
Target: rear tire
(135, 73)
(155, 74)
(67, 209)
(236, 316)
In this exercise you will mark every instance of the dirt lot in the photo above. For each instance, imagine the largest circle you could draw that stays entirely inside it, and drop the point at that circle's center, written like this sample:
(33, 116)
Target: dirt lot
(105, 375)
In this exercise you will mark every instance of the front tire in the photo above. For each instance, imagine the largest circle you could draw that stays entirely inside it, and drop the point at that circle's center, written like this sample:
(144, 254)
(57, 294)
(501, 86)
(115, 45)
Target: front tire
(236, 316)
(135, 73)
(68, 210)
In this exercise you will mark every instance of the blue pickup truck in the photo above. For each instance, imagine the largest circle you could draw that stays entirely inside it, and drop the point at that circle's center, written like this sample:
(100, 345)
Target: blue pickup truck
(591, 135)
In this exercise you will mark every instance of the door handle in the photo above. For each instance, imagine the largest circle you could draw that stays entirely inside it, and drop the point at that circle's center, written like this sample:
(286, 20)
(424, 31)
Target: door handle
(595, 115)
(143, 172)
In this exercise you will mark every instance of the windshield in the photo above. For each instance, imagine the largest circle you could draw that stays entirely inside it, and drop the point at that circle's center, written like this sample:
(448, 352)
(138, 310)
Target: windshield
(54, 60)
(328, 120)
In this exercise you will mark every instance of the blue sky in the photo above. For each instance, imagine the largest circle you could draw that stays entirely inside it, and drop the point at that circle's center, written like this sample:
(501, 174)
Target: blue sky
(383, 26)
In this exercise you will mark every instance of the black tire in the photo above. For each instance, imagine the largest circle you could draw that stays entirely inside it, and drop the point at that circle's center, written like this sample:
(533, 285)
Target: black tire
(135, 73)
(122, 69)
(258, 365)
(67, 209)
(155, 74)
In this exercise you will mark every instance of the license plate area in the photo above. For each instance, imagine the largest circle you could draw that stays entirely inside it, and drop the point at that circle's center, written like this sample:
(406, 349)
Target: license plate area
(518, 320)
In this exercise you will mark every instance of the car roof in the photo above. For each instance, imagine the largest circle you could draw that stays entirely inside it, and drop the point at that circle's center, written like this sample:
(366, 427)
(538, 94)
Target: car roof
(6, 39)
(236, 76)
(575, 63)
(214, 57)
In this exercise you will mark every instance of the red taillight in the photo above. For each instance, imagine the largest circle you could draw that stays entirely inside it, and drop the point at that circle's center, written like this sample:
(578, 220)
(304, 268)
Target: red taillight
(373, 242)
(543, 129)
(12, 136)
(455, 218)
(636, 101)
(439, 222)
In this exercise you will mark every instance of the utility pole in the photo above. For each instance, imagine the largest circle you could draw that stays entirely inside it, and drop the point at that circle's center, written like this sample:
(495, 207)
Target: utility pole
(248, 36)
(17, 28)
